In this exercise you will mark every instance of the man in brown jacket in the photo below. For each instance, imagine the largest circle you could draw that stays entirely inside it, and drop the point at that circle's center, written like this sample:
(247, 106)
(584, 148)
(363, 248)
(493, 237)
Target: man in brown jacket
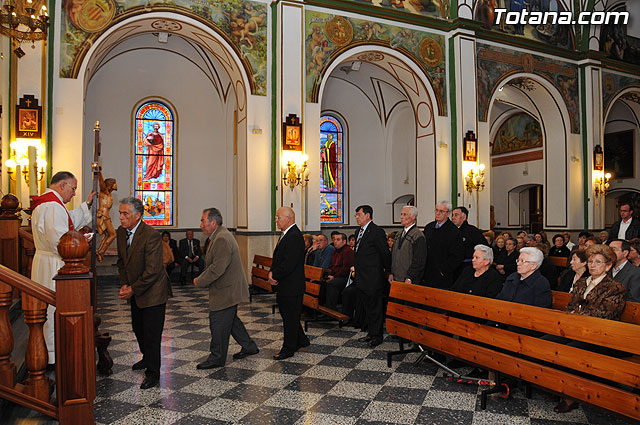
(145, 285)
(227, 283)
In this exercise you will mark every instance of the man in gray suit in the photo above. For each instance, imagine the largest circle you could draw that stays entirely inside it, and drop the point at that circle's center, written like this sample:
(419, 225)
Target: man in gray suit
(145, 285)
(624, 272)
(227, 283)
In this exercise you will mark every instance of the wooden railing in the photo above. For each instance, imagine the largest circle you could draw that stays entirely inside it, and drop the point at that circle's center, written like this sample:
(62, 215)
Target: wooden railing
(75, 362)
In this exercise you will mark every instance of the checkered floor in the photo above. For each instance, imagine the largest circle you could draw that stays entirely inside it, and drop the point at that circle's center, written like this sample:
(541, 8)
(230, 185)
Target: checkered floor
(336, 380)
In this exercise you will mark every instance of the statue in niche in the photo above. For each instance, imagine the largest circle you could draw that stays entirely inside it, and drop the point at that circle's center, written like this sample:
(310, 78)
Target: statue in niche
(155, 147)
(104, 224)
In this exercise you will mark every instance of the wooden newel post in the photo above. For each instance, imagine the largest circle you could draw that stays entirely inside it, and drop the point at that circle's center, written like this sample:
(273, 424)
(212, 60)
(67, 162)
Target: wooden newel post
(9, 223)
(75, 359)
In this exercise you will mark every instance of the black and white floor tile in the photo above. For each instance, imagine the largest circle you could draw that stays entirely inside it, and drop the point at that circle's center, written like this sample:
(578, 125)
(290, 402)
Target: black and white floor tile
(336, 380)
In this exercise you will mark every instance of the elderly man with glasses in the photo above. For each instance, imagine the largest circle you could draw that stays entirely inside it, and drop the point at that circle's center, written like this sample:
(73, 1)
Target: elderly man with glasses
(445, 249)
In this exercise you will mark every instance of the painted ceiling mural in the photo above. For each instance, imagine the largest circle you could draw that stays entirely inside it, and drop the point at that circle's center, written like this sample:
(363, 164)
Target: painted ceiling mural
(242, 22)
(557, 35)
(613, 84)
(495, 63)
(519, 132)
(329, 35)
(433, 8)
(617, 44)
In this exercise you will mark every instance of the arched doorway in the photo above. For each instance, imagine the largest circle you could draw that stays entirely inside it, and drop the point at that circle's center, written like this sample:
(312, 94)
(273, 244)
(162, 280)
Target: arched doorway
(529, 133)
(191, 68)
(386, 101)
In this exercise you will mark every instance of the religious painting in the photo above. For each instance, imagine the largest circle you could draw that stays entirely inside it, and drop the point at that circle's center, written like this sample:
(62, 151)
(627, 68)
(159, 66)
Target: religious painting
(292, 134)
(328, 35)
(28, 118)
(242, 22)
(331, 170)
(519, 132)
(432, 8)
(619, 154)
(560, 35)
(154, 170)
(617, 44)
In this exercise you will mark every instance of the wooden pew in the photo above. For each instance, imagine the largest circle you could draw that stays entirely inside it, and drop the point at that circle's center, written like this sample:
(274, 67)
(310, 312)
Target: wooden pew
(427, 318)
(313, 281)
(561, 262)
(259, 278)
(631, 313)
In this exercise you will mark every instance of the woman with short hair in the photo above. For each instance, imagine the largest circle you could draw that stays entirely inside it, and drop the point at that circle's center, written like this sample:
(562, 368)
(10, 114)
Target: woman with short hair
(577, 269)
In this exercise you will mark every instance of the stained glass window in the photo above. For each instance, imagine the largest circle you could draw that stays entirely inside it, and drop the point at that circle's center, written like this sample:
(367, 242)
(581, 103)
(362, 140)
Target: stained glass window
(154, 171)
(331, 170)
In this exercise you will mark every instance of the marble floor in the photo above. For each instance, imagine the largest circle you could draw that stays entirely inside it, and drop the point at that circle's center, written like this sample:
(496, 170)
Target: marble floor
(336, 380)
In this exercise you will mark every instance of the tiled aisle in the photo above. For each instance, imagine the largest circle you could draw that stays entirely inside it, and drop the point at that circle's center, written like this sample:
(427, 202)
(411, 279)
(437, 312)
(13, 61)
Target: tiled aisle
(336, 380)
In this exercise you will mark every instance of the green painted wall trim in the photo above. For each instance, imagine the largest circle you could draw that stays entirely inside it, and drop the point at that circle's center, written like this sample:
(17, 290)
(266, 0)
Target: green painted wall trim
(50, 52)
(453, 144)
(274, 109)
(583, 43)
(585, 163)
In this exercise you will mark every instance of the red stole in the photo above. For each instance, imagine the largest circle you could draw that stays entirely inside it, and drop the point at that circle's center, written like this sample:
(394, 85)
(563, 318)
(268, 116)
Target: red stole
(50, 197)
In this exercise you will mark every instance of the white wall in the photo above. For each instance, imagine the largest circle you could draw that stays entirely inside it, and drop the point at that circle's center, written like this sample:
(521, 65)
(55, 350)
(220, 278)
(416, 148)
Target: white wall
(204, 132)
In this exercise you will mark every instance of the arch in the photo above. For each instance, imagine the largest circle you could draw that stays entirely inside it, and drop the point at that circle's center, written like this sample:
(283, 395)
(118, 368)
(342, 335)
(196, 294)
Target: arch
(546, 104)
(184, 26)
(420, 94)
(332, 170)
(619, 96)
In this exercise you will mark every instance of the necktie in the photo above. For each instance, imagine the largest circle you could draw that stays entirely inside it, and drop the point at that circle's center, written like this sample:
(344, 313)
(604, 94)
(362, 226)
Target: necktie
(360, 233)
(129, 232)
(190, 248)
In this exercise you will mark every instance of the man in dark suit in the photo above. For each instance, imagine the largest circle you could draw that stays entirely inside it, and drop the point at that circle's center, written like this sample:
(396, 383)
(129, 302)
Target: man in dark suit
(190, 254)
(624, 272)
(471, 236)
(445, 249)
(372, 258)
(287, 277)
(227, 283)
(627, 227)
(145, 285)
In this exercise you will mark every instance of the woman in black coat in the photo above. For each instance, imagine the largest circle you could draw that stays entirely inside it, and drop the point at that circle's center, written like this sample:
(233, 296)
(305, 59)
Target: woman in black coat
(559, 249)
(481, 280)
(506, 263)
(577, 270)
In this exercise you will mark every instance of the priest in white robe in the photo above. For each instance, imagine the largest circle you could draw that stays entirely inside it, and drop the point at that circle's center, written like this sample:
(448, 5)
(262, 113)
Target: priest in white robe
(49, 221)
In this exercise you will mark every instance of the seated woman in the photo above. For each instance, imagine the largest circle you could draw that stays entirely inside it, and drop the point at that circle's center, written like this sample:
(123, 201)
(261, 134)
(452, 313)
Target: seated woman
(506, 263)
(634, 256)
(168, 258)
(498, 248)
(597, 295)
(577, 269)
(559, 249)
(309, 249)
(480, 280)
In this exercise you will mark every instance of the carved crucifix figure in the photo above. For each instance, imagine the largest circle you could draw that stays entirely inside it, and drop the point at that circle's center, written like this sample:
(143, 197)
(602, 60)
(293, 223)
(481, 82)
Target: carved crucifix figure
(104, 224)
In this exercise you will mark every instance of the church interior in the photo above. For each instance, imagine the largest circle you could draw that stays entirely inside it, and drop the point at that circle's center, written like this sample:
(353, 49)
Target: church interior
(321, 106)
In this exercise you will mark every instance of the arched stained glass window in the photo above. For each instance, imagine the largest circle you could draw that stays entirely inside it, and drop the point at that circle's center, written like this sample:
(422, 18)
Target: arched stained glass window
(331, 170)
(154, 171)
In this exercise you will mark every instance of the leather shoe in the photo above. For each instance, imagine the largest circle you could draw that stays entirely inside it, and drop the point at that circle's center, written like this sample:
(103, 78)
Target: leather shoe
(208, 365)
(139, 365)
(375, 342)
(149, 382)
(365, 339)
(282, 355)
(242, 354)
(564, 406)
(304, 344)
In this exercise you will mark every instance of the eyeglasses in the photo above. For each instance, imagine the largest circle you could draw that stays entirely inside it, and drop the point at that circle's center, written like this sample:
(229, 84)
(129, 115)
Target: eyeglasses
(596, 262)
(441, 211)
(520, 261)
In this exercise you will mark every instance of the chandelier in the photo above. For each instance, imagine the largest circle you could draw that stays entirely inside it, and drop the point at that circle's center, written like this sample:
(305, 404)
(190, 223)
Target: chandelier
(18, 20)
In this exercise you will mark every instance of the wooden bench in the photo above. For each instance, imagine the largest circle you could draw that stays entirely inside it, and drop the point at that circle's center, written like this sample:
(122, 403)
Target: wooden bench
(630, 314)
(426, 316)
(259, 278)
(313, 281)
(561, 262)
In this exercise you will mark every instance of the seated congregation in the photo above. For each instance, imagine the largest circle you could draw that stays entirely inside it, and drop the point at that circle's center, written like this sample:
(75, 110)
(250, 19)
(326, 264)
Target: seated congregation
(467, 298)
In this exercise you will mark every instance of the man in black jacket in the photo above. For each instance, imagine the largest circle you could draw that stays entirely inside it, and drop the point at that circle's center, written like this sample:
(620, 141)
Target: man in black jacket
(371, 259)
(471, 236)
(190, 254)
(630, 226)
(445, 249)
(287, 278)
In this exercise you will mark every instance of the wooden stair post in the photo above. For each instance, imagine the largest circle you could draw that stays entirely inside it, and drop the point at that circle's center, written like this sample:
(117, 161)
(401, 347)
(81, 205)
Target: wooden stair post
(9, 224)
(7, 367)
(75, 349)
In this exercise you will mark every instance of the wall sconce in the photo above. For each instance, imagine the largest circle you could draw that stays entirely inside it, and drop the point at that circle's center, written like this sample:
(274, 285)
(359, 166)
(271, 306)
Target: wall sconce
(474, 178)
(38, 168)
(601, 183)
(598, 158)
(294, 169)
(24, 153)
